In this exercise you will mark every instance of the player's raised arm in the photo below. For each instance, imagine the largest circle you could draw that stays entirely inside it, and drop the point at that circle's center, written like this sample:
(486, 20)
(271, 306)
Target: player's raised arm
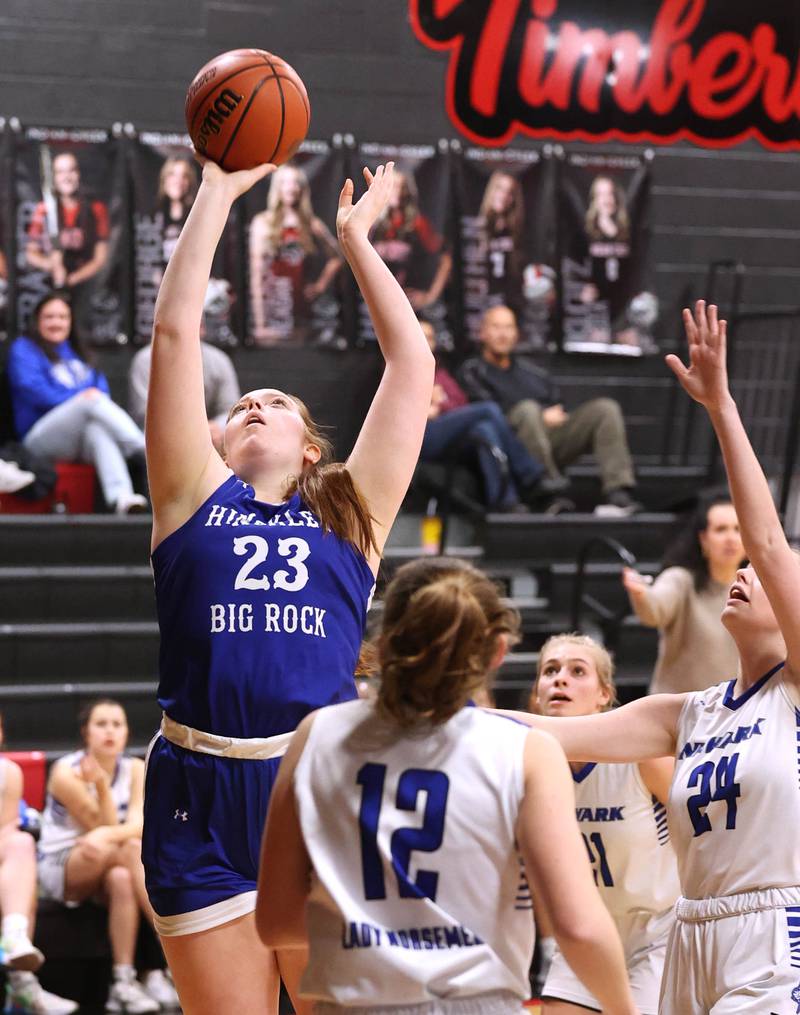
(558, 866)
(386, 451)
(183, 467)
(775, 563)
(640, 730)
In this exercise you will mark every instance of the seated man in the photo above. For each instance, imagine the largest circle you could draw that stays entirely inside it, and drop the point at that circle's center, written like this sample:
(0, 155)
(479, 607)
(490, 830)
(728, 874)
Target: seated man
(530, 401)
(220, 384)
(510, 475)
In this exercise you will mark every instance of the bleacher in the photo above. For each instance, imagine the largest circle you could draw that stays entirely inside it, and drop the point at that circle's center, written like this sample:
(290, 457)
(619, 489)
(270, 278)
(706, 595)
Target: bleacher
(78, 612)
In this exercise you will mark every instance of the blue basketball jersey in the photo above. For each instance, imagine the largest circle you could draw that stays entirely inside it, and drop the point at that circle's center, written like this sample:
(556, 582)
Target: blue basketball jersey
(261, 615)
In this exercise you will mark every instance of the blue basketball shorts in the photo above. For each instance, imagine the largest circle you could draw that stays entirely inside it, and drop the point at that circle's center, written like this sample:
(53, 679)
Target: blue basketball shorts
(203, 821)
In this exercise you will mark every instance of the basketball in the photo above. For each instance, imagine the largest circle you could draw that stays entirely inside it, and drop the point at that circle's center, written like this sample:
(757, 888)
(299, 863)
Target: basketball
(246, 107)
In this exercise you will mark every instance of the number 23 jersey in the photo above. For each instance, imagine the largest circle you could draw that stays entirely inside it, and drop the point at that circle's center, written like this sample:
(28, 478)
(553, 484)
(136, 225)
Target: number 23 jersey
(734, 803)
(261, 615)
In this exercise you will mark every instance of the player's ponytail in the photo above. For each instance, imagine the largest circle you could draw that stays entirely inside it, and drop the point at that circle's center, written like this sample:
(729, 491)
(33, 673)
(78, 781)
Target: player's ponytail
(443, 621)
(328, 490)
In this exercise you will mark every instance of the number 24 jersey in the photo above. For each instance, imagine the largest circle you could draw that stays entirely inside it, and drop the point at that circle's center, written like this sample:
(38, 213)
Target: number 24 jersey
(734, 804)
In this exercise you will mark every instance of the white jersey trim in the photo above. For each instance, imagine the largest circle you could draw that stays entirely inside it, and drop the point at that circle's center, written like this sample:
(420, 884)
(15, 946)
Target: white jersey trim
(207, 917)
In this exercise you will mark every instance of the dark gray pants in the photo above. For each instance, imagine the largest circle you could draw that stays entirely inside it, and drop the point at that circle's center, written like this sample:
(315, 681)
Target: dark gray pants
(596, 427)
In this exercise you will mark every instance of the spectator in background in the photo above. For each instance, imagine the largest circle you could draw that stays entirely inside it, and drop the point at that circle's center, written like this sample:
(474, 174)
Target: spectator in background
(412, 249)
(511, 477)
(62, 407)
(91, 846)
(71, 245)
(283, 239)
(687, 598)
(24, 993)
(220, 385)
(532, 404)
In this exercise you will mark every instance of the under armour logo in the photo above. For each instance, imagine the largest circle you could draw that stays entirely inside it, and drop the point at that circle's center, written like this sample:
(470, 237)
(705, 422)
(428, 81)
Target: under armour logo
(180, 815)
(796, 996)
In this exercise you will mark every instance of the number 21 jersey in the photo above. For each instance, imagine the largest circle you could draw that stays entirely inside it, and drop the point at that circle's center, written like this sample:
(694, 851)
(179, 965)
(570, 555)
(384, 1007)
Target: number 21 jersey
(734, 804)
(261, 615)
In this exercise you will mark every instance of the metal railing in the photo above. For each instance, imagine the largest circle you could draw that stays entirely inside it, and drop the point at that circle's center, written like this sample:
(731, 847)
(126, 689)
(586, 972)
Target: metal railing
(611, 620)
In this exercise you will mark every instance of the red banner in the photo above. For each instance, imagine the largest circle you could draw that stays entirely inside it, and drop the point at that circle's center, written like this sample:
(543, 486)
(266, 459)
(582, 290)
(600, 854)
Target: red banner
(653, 71)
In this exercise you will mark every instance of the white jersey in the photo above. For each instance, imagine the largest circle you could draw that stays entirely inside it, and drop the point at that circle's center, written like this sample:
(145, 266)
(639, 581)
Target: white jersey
(625, 830)
(734, 804)
(418, 890)
(59, 829)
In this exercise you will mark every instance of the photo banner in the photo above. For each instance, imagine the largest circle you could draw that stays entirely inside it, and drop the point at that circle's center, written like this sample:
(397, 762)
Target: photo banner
(502, 236)
(294, 269)
(6, 233)
(70, 227)
(606, 303)
(165, 178)
(414, 234)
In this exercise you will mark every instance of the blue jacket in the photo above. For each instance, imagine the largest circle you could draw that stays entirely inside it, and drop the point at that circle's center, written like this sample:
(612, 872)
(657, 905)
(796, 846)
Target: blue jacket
(39, 385)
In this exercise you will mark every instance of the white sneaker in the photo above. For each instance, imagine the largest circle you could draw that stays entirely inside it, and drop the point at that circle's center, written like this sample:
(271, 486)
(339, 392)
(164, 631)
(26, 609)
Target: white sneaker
(131, 504)
(130, 996)
(13, 478)
(19, 952)
(30, 998)
(159, 986)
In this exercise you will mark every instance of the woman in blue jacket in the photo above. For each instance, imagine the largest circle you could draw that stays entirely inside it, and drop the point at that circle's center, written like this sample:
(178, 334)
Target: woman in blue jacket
(62, 407)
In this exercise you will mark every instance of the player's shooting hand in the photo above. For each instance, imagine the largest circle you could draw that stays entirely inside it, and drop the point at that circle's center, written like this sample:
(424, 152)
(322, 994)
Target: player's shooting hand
(706, 377)
(354, 220)
(236, 183)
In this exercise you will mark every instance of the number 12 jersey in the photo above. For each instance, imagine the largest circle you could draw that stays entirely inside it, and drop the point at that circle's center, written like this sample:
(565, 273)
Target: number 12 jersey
(418, 889)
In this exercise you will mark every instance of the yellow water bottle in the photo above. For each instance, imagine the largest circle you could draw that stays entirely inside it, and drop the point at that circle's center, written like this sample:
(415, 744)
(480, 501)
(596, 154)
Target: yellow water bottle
(431, 529)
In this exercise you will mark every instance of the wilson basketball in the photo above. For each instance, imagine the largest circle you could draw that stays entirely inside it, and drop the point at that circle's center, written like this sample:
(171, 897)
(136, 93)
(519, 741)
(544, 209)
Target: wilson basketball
(246, 107)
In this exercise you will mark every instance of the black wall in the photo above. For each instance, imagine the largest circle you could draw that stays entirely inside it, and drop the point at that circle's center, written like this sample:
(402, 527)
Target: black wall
(94, 62)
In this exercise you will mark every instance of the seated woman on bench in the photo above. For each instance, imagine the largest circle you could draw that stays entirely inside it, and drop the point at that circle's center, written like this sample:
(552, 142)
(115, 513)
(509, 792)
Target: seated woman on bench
(90, 846)
(21, 958)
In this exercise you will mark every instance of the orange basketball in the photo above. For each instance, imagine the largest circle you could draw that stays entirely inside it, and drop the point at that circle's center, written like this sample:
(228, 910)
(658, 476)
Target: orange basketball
(246, 107)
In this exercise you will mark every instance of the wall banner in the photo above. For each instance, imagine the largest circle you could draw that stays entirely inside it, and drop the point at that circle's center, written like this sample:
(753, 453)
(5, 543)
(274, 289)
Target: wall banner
(414, 235)
(6, 233)
(70, 221)
(606, 305)
(165, 177)
(502, 234)
(294, 268)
